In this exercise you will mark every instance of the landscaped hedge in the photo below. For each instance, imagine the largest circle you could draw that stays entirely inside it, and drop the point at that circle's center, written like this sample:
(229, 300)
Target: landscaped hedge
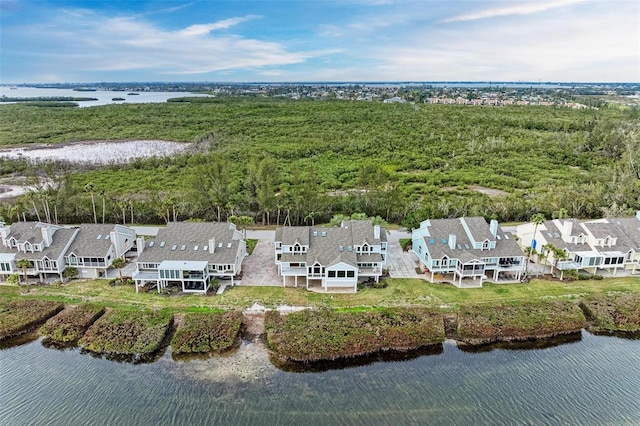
(70, 324)
(325, 334)
(620, 312)
(490, 323)
(122, 332)
(206, 332)
(19, 316)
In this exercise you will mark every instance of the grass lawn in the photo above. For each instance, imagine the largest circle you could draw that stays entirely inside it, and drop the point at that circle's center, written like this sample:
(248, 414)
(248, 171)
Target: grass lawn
(399, 292)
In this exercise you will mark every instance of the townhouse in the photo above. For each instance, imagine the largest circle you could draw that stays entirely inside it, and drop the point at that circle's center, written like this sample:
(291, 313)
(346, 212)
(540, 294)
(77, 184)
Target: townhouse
(331, 257)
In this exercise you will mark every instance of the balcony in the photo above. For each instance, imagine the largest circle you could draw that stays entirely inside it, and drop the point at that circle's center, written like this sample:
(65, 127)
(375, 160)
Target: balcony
(294, 271)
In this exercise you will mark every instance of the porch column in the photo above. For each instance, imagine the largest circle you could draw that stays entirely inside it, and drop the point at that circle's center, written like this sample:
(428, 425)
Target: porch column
(284, 277)
(432, 274)
(296, 280)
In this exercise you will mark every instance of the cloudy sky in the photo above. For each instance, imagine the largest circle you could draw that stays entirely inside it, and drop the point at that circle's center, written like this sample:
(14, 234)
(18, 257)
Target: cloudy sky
(319, 40)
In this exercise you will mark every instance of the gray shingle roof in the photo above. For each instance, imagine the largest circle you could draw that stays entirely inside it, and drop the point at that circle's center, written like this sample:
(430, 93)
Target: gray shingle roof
(440, 230)
(168, 244)
(330, 245)
(87, 244)
(32, 232)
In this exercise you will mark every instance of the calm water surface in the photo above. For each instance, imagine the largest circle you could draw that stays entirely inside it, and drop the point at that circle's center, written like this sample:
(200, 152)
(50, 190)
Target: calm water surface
(103, 97)
(592, 381)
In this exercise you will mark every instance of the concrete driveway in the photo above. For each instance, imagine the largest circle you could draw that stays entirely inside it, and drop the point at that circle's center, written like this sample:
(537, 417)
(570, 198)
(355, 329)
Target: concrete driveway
(401, 264)
(260, 269)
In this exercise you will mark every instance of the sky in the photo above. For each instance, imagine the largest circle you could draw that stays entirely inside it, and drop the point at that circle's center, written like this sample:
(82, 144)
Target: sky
(49, 41)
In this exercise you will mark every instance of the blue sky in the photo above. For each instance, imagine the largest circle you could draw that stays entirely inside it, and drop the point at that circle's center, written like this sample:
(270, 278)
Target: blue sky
(319, 40)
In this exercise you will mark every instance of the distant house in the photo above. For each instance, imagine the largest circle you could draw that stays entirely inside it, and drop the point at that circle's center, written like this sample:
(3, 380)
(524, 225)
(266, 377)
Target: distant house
(468, 249)
(331, 257)
(43, 244)
(610, 245)
(190, 254)
(95, 246)
(395, 100)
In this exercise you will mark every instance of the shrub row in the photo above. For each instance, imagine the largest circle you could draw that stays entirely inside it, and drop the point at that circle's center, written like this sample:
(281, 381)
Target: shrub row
(70, 324)
(20, 316)
(206, 332)
(613, 313)
(489, 323)
(121, 332)
(325, 334)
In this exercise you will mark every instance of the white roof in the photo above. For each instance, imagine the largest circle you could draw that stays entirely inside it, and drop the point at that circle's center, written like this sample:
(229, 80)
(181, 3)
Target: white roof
(7, 257)
(185, 265)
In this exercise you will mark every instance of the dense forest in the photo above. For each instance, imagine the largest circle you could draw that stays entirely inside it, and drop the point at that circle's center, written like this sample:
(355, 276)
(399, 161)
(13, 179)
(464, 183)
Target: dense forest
(304, 161)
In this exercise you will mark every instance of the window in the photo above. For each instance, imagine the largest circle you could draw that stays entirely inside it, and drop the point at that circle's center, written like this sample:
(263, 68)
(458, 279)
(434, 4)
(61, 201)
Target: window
(173, 247)
(195, 248)
(332, 274)
(351, 274)
(162, 244)
(152, 243)
(229, 245)
(99, 236)
(205, 248)
(183, 248)
(341, 274)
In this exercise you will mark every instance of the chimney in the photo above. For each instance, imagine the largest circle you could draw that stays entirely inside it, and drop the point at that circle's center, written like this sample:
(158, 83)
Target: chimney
(4, 231)
(493, 227)
(376, 232)
(567, 226)
(47, 235)
(452, 241)
(212, 245)
(638, 215)
(140, 244)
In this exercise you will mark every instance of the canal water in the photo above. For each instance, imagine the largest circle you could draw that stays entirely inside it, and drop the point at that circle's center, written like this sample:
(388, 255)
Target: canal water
(592, 380)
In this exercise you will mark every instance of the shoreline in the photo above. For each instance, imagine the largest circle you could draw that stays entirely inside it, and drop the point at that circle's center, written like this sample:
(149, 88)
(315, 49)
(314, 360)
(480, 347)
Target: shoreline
(327, 338)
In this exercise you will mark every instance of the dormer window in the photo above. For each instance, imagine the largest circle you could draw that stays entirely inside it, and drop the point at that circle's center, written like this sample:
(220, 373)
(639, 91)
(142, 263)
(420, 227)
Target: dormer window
(485, 245)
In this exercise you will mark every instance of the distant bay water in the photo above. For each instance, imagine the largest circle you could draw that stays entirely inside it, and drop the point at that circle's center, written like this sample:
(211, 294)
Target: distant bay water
(104, 97)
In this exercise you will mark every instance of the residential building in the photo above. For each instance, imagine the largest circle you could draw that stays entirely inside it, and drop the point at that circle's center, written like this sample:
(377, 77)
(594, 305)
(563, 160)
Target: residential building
(95, 246)
(331, 257)
(190, 254)
(609, 245)
(469, 249)
(43, 244)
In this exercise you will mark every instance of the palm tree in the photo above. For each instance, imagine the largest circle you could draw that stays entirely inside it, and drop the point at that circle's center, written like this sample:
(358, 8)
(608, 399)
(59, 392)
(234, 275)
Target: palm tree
(89, 188)
(31, 195)
(103, 195)
(548, 249)
(24, 264)
(118, 263)
(559, 254)
(537, 219)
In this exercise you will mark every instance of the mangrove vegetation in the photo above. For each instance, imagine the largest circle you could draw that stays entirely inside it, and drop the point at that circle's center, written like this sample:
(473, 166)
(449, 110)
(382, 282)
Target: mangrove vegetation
(297, 162)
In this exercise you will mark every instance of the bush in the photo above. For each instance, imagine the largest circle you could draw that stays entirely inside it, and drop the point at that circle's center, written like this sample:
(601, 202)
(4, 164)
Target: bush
(20, 316)
(328, 335)
(489, 323)
(206, 332)
(127, 332)
(70, 324)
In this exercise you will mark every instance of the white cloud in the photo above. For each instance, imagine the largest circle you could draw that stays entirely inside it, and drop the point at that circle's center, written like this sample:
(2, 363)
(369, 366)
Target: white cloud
(203, 29)
(121, 44)
(595, 45)
(523, 8)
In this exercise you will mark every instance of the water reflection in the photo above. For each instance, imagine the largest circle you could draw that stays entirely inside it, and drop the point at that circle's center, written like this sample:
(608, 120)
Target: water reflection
(523, 344)
(18, 340)
(359, 361)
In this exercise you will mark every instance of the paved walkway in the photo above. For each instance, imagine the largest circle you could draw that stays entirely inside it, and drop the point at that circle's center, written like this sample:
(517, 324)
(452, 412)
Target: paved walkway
(260, 269)
(401, 264)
